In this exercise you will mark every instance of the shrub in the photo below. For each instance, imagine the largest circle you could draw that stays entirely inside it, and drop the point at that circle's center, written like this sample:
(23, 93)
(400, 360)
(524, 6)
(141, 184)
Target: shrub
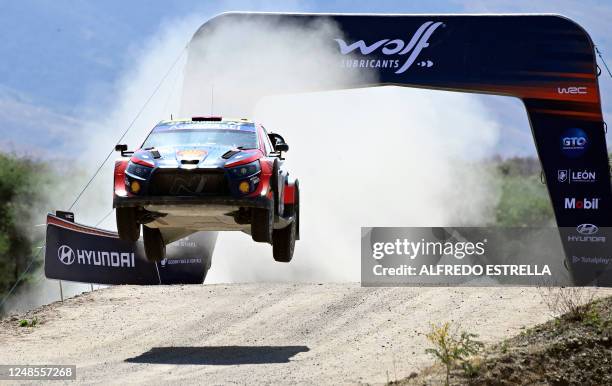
(575, 302)
(28, 323)
(452, 348)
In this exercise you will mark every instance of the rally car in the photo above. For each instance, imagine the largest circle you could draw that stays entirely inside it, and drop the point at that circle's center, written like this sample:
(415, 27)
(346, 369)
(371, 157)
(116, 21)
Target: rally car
(206, 174)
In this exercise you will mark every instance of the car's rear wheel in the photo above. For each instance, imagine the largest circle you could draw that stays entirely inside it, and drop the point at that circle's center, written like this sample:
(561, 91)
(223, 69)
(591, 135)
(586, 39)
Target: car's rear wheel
(127, 227)
(283, 243)
(154, 246)
(262, 223)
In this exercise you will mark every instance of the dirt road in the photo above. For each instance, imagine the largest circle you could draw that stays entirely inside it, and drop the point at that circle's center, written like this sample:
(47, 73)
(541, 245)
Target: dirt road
(258, 333)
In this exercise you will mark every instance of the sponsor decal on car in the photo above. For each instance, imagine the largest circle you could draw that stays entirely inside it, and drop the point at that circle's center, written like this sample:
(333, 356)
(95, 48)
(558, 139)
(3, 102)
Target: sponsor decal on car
(191, 153)
(570, 176)
(67, 256)
(585, 203)
(574, 142)
(399, 54)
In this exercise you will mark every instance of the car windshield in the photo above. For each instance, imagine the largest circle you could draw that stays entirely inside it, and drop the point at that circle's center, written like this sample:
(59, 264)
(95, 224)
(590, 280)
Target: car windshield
(202, 137)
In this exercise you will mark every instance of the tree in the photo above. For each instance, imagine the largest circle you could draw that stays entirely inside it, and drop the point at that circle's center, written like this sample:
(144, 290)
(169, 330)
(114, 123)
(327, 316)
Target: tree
(21, 188)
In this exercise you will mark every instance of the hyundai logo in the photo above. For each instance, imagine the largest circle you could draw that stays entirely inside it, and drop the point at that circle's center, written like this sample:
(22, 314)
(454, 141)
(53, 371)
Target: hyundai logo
(65, 254)
(587, 229)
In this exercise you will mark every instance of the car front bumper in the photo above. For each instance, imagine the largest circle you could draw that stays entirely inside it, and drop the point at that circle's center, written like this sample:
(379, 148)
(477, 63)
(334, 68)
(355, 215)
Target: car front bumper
(190, 201)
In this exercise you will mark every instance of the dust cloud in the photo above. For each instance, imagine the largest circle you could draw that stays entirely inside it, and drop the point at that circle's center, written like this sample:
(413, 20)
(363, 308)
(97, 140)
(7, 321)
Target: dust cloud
(383, 156)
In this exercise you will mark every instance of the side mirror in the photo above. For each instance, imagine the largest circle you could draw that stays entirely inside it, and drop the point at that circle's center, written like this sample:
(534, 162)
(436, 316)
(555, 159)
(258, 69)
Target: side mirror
(123, 149)
(278, 142)
(281, 147)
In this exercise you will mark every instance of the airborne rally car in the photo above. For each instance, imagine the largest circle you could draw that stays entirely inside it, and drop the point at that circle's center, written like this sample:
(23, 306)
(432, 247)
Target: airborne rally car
(206, 174)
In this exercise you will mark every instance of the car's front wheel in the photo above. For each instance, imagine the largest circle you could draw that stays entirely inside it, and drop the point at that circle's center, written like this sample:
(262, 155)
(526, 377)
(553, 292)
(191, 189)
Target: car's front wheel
(127, 227)
(283, 243)
(154, 246)
(262, 223)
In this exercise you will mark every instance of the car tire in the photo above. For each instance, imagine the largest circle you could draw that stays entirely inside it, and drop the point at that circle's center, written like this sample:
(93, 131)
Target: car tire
(127, 227)
(262, 223)
(283, 243)
(154, 246)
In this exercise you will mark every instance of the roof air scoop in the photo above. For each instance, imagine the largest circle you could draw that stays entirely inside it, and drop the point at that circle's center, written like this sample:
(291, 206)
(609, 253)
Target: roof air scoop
(206, 119)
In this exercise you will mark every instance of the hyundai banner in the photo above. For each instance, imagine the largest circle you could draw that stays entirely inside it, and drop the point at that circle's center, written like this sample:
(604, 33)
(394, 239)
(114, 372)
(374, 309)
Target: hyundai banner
(80, 253)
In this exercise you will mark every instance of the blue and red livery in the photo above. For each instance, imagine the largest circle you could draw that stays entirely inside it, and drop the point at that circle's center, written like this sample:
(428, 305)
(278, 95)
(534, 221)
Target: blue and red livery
(206, 174)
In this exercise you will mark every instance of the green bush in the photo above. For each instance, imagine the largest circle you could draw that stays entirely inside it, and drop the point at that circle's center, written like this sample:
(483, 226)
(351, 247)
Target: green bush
(453, 348)
(22, 183)
(28, 323)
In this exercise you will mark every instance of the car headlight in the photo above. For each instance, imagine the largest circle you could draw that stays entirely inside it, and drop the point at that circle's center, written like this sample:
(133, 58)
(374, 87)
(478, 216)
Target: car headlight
(245, 170)
(138, 171)
(244, 178)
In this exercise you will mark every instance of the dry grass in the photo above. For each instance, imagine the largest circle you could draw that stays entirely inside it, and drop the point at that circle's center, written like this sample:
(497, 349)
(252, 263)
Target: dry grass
(571, 301)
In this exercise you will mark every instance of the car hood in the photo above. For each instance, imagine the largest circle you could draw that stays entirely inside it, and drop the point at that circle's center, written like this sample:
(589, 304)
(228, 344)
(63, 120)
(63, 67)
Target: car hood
(190, 157)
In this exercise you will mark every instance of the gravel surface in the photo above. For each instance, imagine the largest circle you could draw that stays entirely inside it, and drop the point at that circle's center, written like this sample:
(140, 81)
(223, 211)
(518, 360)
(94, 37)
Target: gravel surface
(259, 332)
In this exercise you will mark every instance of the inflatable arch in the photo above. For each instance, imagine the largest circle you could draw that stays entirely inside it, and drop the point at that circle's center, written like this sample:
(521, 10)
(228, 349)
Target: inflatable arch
(548, 61)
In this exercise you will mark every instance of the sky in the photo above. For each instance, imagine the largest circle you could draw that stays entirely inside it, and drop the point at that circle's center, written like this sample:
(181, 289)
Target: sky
(62, 60)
